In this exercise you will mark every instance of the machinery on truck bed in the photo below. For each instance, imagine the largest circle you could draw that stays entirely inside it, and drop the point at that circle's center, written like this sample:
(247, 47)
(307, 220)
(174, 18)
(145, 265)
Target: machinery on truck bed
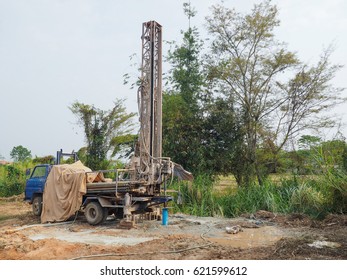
(142, 186)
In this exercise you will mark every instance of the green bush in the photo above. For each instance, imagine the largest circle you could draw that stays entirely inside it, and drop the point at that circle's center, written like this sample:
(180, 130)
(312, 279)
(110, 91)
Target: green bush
(198, 198)
(308, 200)
(12, 180)
(334, 186)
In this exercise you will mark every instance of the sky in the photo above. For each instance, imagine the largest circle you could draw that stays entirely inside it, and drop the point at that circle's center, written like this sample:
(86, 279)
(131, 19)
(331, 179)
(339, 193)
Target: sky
(56, 52)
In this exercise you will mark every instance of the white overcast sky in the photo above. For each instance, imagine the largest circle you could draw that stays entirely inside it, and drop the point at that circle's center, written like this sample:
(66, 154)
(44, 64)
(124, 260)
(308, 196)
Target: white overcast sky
(54, 52)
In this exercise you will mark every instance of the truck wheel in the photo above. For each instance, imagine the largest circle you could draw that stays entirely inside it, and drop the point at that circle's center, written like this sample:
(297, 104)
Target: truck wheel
(94, 213)
(37, 205)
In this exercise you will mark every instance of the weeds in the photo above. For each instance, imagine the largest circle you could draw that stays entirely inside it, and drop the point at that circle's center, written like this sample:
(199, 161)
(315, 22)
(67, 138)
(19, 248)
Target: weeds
(12, 180)
(316, 197)
(198, 198)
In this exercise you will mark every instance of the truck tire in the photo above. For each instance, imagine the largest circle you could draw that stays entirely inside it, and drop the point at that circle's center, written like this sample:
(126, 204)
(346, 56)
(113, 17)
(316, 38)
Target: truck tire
(94, 213)
(37, 205)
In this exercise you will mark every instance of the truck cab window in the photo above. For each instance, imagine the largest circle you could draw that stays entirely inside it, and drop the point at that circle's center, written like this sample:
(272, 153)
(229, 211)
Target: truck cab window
(39, 171)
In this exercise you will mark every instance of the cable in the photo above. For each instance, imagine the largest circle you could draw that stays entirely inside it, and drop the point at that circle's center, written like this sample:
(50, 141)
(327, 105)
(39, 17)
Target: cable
(69, 228)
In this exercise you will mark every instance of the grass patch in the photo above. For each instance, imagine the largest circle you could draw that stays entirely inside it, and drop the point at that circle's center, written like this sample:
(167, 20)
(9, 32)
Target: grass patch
(315, 196)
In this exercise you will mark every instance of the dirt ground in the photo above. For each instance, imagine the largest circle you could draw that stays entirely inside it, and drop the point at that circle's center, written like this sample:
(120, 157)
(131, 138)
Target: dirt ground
(263, 235)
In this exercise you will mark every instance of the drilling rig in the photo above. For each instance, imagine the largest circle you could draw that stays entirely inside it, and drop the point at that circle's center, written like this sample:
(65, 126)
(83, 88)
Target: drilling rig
(141, 188)
(150, 165)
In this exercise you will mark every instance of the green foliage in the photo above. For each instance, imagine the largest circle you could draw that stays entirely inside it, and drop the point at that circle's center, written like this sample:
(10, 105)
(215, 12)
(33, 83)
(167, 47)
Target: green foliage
(182, 134)
(244, 62)
(326, 193)
(307, 199)
(182, 120)
(43, 160)
(200, 131)
(315, 156)
(82, 154)
(12, 179)
(198, 198)
(223, 139)
(101, 127)
(20, 154)
(308, 141)
(334, 186)
(124, 145)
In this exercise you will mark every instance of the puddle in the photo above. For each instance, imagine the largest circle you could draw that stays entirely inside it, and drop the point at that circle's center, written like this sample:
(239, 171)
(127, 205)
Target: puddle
(89, 238)
(249, 237)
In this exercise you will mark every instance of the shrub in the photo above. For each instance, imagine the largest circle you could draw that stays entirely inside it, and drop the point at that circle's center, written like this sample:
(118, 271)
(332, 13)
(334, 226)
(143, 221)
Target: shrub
(198, 198)
(308, 200)
(12, 180)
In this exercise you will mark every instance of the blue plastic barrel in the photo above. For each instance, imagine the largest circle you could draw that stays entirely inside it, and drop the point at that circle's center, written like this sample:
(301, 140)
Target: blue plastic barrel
(165, 219)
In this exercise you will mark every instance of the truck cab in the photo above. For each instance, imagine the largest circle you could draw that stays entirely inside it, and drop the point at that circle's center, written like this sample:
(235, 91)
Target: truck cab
(34, 187)
(35, 184)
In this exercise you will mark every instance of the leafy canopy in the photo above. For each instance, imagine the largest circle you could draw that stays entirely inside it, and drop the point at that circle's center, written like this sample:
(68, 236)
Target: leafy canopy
(20, 154)
(102, 128)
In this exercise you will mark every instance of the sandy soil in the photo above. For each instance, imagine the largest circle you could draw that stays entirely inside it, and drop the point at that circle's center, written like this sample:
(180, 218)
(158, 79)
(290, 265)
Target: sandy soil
(263, 235)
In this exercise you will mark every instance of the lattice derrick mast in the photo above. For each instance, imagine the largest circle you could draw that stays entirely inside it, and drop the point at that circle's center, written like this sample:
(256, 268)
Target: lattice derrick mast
(150, 100)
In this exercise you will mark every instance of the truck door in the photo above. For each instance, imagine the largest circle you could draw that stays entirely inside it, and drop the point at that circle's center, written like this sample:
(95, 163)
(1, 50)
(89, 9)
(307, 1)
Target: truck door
(36, 182)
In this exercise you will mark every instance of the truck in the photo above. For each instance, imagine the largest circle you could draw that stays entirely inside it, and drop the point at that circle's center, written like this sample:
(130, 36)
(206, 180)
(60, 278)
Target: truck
(34, 185)
(142, 186)
(123, 196)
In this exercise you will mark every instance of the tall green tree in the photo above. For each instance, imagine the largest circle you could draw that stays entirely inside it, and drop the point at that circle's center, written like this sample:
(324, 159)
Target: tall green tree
(200, 130)
(223, 138)
(276, 95)
(101, 129)
(182, 118)
(20, 154)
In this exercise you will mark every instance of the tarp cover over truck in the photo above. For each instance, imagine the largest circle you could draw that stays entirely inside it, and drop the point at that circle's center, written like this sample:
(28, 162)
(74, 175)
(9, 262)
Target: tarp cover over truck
(65, 186)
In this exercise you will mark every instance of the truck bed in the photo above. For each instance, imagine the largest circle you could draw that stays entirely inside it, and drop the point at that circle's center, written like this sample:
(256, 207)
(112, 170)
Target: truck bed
(109, 187)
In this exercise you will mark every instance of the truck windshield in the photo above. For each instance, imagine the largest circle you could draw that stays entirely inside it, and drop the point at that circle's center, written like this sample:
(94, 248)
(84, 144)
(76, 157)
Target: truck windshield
(39, 171)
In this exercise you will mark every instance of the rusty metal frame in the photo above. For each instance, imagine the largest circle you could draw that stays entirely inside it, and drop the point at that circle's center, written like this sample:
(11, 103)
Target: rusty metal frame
(150, 100)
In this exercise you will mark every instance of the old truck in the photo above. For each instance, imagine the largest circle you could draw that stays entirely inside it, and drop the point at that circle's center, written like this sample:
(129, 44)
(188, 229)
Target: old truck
(36, 181)
(142, 186)
(122, 196)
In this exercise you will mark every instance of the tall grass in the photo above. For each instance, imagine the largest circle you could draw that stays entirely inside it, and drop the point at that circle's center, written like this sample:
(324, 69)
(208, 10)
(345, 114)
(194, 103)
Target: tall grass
(334, 188)
(198, 198)
(253, 198)
(326, 192)
(315, 197)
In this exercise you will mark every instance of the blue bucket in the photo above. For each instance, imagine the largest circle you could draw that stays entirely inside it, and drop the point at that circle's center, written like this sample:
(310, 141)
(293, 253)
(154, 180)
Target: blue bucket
(165, 220)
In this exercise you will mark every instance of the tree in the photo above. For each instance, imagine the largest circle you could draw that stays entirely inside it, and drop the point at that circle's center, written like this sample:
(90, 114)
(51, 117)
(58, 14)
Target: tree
(101, 128)
(20, 154)
(200, 130)
(222, 139)
(275, 94)
(182, 118)
(308, 141)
